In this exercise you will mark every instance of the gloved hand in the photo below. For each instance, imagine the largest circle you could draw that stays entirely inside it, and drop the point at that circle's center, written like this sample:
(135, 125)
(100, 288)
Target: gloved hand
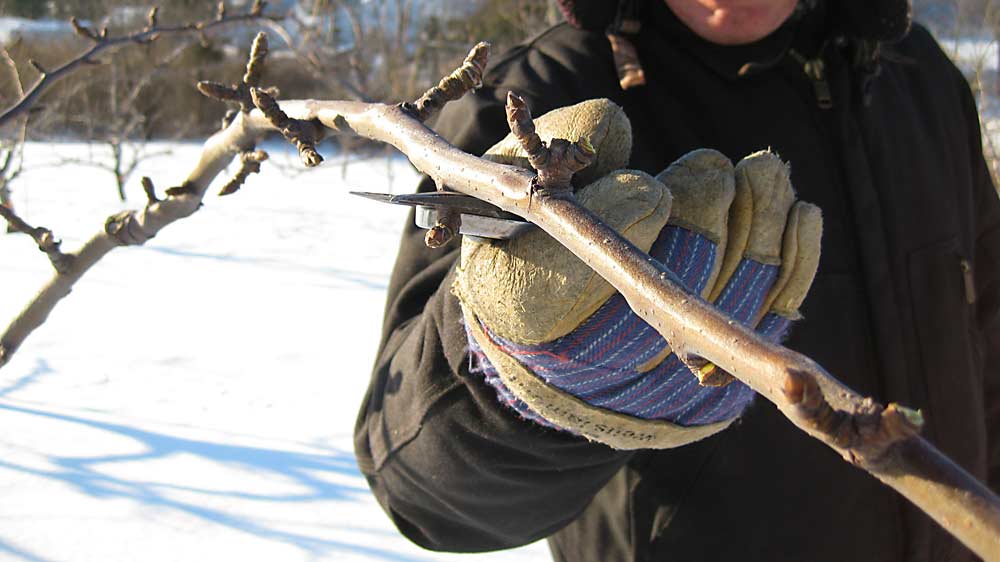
(563, 349)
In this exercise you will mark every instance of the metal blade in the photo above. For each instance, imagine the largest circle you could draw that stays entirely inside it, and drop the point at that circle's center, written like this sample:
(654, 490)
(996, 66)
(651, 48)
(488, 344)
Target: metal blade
(479, 218)
(457, 201)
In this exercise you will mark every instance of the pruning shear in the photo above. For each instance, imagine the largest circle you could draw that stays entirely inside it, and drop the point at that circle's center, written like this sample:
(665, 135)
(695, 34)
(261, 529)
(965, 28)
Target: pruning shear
(479, 218)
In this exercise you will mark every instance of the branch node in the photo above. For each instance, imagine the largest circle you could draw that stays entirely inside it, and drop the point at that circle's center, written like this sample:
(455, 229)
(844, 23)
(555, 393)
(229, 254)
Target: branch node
(125, 229)
(147, 187)
(38, 66)
(151, 17)
(866, 435)
(555, 163)
(900, 422)
(186, 188)
(83, 31)
(43, 237)
(249, 164)
(303, 134)
(448, 226)
(468, 76)
(229, 117)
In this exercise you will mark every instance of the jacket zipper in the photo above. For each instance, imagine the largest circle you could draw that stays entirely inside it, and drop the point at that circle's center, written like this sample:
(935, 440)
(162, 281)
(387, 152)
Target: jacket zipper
(969, 279)
(815, 70)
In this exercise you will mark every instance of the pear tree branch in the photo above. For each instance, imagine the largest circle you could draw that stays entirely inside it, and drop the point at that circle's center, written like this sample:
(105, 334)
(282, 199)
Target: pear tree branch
(883, 440)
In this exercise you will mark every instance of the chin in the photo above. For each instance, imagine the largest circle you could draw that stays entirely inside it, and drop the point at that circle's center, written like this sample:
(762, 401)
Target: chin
(740, 26)
(732, 22)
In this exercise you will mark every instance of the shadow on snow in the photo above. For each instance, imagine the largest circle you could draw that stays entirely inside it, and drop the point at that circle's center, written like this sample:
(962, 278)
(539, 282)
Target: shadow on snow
(85, 474)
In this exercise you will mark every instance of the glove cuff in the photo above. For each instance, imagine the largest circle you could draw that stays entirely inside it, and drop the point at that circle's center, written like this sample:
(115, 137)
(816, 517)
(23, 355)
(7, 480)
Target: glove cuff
(565, 411)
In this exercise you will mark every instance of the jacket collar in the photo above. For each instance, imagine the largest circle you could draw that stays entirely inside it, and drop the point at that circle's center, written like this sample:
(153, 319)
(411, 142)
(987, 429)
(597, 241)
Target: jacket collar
(806, 31)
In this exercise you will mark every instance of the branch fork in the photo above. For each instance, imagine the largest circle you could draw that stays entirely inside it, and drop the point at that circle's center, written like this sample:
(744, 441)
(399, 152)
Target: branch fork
(241, 91)
(556, 162)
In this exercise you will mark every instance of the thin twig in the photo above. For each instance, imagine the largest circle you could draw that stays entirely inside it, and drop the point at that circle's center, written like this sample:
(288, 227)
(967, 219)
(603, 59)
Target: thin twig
(303, 133)
(241, 91)
(249, 164)
(46, 241)
(468, 76)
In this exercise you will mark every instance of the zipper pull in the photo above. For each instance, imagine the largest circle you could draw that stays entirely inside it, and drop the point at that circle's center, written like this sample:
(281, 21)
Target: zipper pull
(815, 70)
(970, 281)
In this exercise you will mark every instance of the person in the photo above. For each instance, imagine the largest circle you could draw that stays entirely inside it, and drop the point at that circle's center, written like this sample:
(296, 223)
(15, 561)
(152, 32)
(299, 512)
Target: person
(882, 134)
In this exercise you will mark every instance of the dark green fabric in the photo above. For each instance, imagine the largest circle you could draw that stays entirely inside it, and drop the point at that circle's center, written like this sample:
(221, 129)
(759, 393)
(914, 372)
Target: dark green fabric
(906, 196)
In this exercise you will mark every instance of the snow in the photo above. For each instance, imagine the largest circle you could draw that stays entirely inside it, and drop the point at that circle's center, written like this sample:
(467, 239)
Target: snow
(12, 28)
(194, 398)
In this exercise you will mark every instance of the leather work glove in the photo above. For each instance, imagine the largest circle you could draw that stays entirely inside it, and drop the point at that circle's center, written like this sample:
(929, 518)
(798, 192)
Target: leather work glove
(563, 348)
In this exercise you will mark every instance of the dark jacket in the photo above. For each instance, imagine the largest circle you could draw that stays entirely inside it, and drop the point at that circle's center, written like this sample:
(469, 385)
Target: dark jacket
(902, 309)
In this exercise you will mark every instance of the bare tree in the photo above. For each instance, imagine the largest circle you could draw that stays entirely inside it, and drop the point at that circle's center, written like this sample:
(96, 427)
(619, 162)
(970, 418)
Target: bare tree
(115, 119)
(12, 146)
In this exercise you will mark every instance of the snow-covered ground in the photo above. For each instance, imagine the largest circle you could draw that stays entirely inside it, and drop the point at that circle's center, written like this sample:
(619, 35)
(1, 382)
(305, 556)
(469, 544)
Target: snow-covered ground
(194, 399)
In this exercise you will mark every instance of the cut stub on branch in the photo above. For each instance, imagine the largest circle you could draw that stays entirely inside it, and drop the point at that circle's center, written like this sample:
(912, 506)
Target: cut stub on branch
(866, 436)
(448, 225)
(555, 163)
(126, 229)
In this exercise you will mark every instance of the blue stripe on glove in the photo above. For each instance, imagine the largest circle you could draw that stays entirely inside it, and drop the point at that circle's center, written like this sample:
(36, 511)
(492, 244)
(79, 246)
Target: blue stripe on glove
(597, 362)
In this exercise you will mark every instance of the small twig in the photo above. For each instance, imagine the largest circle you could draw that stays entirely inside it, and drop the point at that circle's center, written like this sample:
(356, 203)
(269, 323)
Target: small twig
(304, 134)
(468, 76)
(249, 164)
(241, 92)
(149, 190)
(46, 241)
(151, 18)
(37, 66)
(83, 31)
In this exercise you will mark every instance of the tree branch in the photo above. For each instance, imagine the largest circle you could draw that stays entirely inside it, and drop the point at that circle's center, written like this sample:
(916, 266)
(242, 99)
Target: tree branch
(101, 42)
(880, 440)
(46, 241)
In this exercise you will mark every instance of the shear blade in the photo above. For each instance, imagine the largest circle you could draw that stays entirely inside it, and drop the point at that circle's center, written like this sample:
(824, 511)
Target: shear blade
(479, 218)
(457, 201)
(476, 225)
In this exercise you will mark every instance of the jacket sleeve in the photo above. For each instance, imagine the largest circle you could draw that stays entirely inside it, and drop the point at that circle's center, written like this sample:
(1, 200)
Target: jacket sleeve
(986, 267)
(454, 468)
